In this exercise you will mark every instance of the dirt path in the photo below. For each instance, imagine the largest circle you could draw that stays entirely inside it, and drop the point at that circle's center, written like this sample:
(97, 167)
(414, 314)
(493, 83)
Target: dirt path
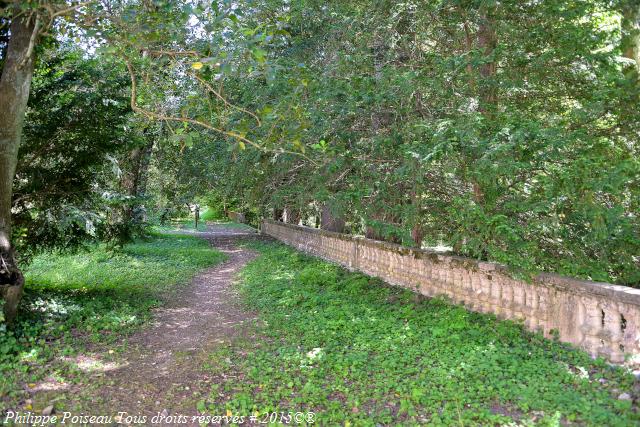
(163, 370)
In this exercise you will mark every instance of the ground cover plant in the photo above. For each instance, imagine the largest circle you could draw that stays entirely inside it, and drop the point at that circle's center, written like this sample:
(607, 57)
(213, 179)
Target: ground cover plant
(183, 224)
(358, 352)
(76, 303)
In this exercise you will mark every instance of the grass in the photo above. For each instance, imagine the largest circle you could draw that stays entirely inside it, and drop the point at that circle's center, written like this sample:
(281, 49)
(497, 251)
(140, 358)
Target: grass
(211, 214)
(184, 224)
(91, 299)
(358, 352)
(188, 224)
(238, 225)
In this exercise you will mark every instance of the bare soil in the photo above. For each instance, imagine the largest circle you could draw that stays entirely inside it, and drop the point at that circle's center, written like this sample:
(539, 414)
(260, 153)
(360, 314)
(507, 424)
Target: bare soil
(164, 368)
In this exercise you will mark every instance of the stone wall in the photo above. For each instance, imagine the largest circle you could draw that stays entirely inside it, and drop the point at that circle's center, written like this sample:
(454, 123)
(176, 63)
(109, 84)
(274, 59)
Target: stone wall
(237, 217)
(601, 318)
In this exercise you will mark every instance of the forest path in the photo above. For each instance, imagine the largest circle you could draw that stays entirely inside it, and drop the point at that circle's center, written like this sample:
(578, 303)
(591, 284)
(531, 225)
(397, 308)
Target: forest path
(164, 370)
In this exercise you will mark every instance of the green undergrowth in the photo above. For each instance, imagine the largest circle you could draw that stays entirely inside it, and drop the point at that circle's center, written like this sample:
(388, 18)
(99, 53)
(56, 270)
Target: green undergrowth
(358, 352)
(75, 303)
(183, 224)
(212, 214)
(188, 225)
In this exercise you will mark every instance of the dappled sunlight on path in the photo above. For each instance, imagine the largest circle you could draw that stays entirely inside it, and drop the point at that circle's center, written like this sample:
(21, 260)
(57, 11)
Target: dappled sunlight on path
(163, 368)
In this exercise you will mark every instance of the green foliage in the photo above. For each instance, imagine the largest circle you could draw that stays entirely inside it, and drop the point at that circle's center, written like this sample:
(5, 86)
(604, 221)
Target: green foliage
(508, 132)
(184, 224)
(93, 297)
(212, 214)
(76, 127)
(358, 352)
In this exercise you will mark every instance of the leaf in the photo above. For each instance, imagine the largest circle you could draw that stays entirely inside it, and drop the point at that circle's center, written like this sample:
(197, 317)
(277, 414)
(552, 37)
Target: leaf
(297, 144)
(197, 65)
(260, 55)
(241, 145)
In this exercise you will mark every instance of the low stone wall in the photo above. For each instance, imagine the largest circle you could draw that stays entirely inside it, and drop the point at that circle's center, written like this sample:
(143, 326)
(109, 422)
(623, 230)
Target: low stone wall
(237, 217)
(601, 318)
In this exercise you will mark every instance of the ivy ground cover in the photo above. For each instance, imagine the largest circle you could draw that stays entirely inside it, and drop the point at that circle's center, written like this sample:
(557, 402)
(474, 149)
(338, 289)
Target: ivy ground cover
(355, 351)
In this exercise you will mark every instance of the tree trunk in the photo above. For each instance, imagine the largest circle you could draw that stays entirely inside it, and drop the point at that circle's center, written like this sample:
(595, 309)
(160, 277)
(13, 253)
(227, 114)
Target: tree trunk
(291, 215)
(15, 85)
(329, 221)
(134, 179)
(631, 38)
(487, 42)
(126, 219)
(417, 235)
(278, 213)
(143, 168)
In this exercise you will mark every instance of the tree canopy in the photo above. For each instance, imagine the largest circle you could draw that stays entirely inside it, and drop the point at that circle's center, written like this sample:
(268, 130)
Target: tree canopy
(504, 130)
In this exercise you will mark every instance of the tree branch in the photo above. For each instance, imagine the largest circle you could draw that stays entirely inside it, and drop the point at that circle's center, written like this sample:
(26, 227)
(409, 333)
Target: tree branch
(159, 116)
(223, 99)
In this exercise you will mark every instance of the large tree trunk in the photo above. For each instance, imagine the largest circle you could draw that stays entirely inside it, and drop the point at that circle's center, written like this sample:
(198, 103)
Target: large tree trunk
(15, 84)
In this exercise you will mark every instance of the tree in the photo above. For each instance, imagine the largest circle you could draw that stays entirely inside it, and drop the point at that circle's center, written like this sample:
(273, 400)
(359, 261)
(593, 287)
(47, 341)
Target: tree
(15, 84)
(78, 125)
(28, 23)
(631, 36)
(505, 130)
(128, 214)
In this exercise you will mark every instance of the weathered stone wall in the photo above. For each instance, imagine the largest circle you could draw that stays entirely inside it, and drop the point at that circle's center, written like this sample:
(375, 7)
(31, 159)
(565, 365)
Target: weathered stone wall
(602, 318)
(237, 217)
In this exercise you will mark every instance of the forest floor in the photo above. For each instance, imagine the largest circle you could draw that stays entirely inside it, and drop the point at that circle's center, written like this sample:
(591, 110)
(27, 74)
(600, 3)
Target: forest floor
(273, 336)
